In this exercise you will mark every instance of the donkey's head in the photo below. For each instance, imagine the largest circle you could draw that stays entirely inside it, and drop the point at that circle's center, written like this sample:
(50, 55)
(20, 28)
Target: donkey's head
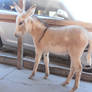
(22, 19)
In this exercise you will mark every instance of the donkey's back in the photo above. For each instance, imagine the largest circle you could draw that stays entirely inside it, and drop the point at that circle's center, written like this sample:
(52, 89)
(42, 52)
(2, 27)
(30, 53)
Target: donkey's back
(61, 39)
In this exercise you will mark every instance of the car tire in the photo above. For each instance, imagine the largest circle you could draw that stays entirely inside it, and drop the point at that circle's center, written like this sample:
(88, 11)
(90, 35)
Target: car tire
(1, 44)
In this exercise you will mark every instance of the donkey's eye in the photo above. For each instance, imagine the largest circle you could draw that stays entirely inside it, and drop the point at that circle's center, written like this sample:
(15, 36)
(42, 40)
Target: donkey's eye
(21, 23)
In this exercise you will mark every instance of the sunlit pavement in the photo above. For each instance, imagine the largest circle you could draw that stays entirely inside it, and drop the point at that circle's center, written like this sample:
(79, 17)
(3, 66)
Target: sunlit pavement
(14, 80)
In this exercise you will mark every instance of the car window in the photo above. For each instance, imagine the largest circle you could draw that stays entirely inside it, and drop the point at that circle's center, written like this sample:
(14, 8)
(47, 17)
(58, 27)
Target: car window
(51, 8)
(7, 5)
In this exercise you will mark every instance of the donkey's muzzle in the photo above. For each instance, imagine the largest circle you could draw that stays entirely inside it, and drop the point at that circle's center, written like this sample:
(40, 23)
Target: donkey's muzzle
(16, 35)
(88, 66)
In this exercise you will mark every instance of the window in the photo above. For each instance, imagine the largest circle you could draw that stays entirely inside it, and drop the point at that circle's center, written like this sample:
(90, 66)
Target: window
(51, 8)
(7, 5)
(7, 11)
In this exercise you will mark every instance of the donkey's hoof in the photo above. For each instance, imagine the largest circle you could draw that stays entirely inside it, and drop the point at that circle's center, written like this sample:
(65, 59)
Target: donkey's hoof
(87, 66)
(65, 83)
(45, 77)
(72, 90)
(31, 77)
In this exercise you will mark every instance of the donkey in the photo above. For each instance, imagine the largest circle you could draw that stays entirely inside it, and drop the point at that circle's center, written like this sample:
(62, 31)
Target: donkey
(69, 39)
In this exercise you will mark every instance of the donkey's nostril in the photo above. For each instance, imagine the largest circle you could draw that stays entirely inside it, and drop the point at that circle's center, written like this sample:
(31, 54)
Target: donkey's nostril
(87, 66)
(16, 35)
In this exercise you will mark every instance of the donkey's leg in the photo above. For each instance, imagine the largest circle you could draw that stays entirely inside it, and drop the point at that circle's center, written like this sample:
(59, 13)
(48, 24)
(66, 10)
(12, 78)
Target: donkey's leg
(37, 60)
(89, 54)
(69, 76)
(77, 68)
(46, 61)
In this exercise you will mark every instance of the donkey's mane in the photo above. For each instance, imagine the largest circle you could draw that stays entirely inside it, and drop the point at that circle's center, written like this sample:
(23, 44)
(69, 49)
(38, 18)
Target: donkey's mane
(39, 22)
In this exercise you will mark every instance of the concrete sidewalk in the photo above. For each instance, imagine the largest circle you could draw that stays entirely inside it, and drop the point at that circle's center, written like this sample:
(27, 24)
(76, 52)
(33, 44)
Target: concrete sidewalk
(13, 80)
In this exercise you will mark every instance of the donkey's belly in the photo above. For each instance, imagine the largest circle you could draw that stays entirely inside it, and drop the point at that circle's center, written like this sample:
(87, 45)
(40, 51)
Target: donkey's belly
(58, 50)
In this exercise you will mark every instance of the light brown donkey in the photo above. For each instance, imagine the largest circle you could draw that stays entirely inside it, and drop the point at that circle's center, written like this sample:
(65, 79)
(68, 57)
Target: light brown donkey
(69, 39)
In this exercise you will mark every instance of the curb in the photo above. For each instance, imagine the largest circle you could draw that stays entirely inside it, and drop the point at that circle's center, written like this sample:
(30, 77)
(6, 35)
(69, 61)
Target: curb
(54, 69)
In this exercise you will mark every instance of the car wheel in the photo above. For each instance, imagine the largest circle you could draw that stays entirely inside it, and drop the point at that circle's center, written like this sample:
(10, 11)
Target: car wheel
(1, 44)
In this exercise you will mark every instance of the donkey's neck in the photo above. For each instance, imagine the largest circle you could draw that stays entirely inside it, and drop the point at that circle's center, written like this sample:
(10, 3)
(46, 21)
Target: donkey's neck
(37, 29)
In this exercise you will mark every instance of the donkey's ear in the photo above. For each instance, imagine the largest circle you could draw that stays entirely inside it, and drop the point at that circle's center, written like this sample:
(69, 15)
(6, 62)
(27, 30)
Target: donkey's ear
(24, 2)
(17, 8)
(30, 12)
